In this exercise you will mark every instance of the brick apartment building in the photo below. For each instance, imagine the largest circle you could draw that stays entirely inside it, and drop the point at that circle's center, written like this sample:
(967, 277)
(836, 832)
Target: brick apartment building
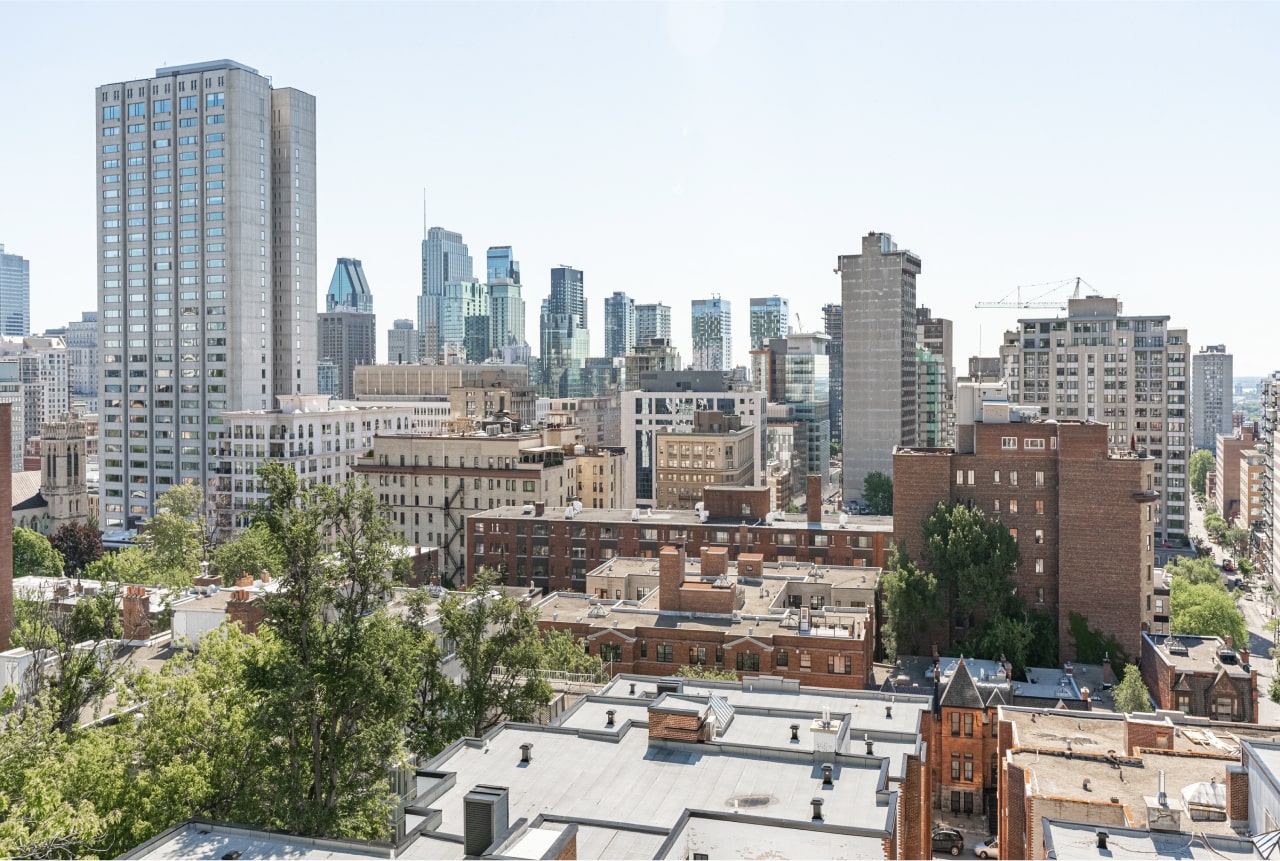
(554, 548)
(1201, 676)
(815, 626)
(1083, 515)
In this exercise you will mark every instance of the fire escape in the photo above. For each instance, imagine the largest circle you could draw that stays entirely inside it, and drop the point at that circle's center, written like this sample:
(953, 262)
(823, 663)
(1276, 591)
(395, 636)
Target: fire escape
(454, 567)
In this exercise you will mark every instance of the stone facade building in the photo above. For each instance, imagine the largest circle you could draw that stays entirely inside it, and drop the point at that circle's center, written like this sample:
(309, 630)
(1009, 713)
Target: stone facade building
(718, 450)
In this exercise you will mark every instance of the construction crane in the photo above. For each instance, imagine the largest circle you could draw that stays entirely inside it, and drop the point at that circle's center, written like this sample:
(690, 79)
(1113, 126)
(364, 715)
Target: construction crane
(1038, 300)
(799, 325)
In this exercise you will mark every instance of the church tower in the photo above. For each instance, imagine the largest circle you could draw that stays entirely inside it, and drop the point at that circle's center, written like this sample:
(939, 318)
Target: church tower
(63, 462)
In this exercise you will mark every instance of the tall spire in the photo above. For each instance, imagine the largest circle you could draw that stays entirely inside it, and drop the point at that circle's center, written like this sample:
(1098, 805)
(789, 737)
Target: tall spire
(424, 214)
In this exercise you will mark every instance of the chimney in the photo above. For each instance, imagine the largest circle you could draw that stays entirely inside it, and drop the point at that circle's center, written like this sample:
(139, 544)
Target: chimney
(1244, 656)
(671, 568)
(244, 579)
(795, 732)
(1102, 840)
(245, 610)
(526, 752)
(1108, 677)
(539, 508)
(633, 689)
(136, 613)
(817, 809)
(813, 498)
(266, 576)
(609, 717)
(869, 743)
(1231, 642)
(1068, 669)
(715, 561)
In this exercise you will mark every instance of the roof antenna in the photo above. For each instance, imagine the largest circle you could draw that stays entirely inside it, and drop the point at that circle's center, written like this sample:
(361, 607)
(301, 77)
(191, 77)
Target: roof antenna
(424, 214)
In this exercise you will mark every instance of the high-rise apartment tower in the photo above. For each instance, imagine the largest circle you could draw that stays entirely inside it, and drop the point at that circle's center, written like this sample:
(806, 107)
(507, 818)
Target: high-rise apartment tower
(768, 319)
(207, 291)
(1211, 388)
(712, 334)
(619, 325)
(15, 294)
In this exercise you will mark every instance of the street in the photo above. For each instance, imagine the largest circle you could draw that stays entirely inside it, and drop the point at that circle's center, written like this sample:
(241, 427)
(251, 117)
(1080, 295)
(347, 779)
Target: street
(1259, 615)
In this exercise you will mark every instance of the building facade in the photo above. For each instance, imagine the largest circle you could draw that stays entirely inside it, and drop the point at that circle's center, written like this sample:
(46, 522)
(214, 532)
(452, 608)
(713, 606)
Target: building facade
(716, 450)
(794, 374)
(506, 309)
(1229, 449)
(81, 337)
(833, 325)
(878, 295)
(348, 339)
(653, 320)
(1269, 531)
(15, 294)
(1129, 372)
(566, 342)
(770, 318)
(348, 288)
(712, 334)
(599, 420)
(445, 259)
(214, 163)
(500, 264)
(1080, 512)
(1211, 388)
(1200, 676)
(402, 343)
(934, 334)
(619, 325)
(64, 464)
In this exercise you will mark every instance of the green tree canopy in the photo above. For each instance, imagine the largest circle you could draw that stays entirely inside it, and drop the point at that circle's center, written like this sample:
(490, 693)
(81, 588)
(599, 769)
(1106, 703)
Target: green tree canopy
(973, 558)
(912, 603)
(252, 551)
(1201, 463)
(877, 491)
(1199, 570)
(33, 555)
(1205, 609)
(1131, 695)
(79, 543)
(174, 538)
(695, 671)
(564, 652)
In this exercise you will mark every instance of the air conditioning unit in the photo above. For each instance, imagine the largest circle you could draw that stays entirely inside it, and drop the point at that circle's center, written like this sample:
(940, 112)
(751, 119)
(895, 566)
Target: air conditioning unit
(484, 818)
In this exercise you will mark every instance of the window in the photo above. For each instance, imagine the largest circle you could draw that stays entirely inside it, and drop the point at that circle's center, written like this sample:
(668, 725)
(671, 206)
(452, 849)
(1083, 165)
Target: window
(955, 767)
(1039, 536)
(968, 726)
(1039, 566)
(805, 661)
(995, 477)
(1013, 506)
(215, 100)
(1013, 478)
(839, 665)
(1013, 533)
(189, 103)
(1009, 442)
(781, 659)
(995, 506)
(1039, 506)
(968, 767)
(664, 653)
(610, 652)
(969, 476)
(697, 655)
(748, 662)
(1033, 443)
(955, 723)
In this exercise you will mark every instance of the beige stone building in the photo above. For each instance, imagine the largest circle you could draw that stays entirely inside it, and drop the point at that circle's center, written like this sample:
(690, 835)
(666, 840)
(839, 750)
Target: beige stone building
(601, 476)
(431, 484)
(718, 450)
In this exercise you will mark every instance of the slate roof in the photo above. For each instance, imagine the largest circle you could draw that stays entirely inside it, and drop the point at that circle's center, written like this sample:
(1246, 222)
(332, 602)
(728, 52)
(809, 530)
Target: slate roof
(26, 491)
(962, 691)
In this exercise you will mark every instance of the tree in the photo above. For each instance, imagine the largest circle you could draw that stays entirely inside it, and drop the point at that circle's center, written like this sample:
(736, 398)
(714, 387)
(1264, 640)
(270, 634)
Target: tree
(174, 538)
(130, 565)
(1205, 609)
(1274, 691)
(973, 558)
(79, 543)
(568, 654)
(499, 652)
(1131, 695)
(1092, 646)
(912, 603)
(1236, 540)
(695, 671)
(337, 686)
(1216, 526)
(1199, 570)
(251, 552)
(1202, 462)
(34, 556)
(877, 491)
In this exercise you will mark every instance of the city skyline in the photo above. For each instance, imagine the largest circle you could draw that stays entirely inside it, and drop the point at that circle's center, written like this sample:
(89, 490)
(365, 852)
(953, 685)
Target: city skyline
(1108, 178)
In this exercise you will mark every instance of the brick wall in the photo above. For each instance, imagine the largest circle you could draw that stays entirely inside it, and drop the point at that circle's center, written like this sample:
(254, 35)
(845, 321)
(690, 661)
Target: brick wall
(1146, 734)
(245, 610)
(135, 610)
(671, 568)
(1237, 793)
(980, 747)
(915, 811)
(715, 561)
(1157, 675)
(679, 727)
(1013, 808)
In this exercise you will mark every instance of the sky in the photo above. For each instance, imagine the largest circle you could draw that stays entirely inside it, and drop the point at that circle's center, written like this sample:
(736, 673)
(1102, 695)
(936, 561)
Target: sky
(676, 151)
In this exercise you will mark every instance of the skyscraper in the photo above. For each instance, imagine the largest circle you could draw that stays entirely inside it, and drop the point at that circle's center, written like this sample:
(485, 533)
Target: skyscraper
(444, 258)
(878, 289)
(15, 294)
(833, 325)
(712, 335)
(402, 343)
(501, 263)
(565, 340)
(1211, 390)
(348, 338)
(348, 288)
(619, 325)
(652, 321)
(206, 190)
(769, 317)
(934, 335)
(506, 309)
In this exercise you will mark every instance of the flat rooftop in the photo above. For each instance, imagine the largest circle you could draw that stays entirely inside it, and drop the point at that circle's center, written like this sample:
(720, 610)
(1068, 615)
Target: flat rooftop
(1079, 840)
(672, 517)
(1189, 653)
(200, 839)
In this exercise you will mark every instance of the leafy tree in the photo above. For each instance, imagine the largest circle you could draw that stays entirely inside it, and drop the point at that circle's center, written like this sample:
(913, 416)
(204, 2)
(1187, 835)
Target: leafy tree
(252, 551)
(1237, 540)
(1274, 691)
(1201, 463)
(499, 650)
(174, 538)
(694, 671)
(1092, 646)
(130, 565)
(836, 448)
(79, 543)
(566, 653)
(1199, 570)
(1215, 526)
(84, 645)
(877, 490)
(973, 558)
(338, 684)
(1205, 609)
(1131, 695)
(33, 555)
(912, 603)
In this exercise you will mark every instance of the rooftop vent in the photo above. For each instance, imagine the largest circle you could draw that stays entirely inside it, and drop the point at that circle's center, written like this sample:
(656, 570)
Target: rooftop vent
(609, 717)
(1102, 840)
(526, 752)
(484, 815)
(827, 769)
(817, 809)
(795, 732)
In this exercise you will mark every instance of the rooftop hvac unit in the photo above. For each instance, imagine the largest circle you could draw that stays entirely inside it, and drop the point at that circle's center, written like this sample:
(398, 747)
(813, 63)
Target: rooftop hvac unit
(484, 815)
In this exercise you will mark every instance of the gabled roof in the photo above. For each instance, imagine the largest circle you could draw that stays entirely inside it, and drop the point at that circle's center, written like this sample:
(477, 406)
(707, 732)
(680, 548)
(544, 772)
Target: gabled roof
(962, 691)
(996, 699)
(26, 490)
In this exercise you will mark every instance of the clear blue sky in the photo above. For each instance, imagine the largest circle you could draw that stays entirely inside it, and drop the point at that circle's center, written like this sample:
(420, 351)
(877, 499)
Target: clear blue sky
(673, 151)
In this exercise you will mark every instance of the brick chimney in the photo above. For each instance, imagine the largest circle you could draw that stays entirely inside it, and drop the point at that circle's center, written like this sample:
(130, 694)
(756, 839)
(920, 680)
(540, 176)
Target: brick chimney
(1237, 793)
(813, 498)
(671, 568)
(539, 508)
(1108, 675)
(246, 610)
(715, 561)
(244, 580)
(136, 613)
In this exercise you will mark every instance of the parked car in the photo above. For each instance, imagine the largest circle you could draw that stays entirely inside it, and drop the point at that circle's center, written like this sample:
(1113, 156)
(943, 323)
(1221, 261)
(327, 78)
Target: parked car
(989, 848)
(1228, 565)
(947, 840)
